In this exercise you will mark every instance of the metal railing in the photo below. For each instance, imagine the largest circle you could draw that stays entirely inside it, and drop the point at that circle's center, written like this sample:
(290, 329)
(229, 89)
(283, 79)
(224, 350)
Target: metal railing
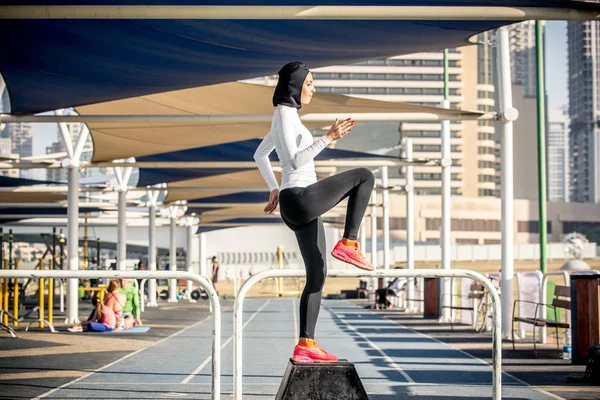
(544, 294)
(200, 280)
(425, 273)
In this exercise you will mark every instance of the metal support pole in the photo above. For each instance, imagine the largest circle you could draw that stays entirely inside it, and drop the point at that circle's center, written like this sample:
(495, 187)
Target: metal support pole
(410, 225)
(53, 242)
(173, 258)
(10, 248)
(446, 198)
(188, 258)
(73, 244)
(506, 157)
(85, 243)
(385, 195)
(363, 234)
(61, 245)
(541, 135)
(152, 254)
(446, 214)
(202, 255)
(16, 295)
(122, 231)
(374, 236)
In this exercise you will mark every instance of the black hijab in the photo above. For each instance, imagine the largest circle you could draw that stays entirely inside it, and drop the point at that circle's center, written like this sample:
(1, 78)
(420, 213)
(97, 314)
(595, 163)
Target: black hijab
(289, 87)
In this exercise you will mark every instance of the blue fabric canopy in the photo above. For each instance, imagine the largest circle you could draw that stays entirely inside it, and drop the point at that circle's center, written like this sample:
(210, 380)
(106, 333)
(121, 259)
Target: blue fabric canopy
(53, 64)
(236, 151)
(6, 181)
(58, 211)
(241, 197)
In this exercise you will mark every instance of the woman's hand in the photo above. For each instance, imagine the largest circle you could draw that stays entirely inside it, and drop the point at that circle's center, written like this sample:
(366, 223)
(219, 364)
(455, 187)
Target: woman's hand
(340, 129)
(273, 201)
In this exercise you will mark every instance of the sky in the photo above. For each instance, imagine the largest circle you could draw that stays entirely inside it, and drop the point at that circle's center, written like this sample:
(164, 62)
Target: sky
(556, 72)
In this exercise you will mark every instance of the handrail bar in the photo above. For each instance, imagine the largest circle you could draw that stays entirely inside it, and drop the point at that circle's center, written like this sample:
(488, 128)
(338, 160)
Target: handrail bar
(427, 273)
(200, 280)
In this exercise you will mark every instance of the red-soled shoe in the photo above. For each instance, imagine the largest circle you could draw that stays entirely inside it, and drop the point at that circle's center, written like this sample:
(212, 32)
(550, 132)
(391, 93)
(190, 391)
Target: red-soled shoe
(351, 254)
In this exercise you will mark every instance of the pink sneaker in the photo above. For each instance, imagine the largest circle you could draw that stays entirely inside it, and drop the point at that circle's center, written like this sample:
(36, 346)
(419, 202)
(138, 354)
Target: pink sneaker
(313, 354)
(351, 255)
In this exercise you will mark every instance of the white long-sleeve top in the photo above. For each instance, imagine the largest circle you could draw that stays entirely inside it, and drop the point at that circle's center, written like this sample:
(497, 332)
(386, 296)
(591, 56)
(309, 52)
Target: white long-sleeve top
(295, 148)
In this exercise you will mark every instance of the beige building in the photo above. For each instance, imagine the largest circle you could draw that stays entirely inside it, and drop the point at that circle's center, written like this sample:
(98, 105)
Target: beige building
(478, 220)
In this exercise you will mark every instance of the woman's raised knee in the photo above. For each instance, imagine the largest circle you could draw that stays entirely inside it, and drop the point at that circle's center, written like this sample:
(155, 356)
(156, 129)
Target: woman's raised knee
(366, 174)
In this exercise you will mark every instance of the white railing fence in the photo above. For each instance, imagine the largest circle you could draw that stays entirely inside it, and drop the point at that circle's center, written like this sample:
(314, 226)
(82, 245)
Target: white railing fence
(203, 282)
(425, 273)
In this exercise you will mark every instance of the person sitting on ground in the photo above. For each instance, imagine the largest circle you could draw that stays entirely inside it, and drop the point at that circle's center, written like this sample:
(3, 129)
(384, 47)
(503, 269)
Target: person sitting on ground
(106, 316)
(393, 289)
(131, 308)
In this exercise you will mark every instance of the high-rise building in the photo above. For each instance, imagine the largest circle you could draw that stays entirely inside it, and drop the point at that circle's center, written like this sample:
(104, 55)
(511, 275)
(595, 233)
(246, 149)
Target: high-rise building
(522, 55)
(21, 136)
(584, 110)
(558, 155)
(418, 79)
(6, 151)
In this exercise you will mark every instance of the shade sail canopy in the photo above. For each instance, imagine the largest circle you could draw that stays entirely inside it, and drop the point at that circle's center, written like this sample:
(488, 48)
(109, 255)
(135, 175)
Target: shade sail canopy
(31, 197)
(6, 181)
(233, 198)
(187, 189)
(52, 64)
(238, 151)
(17, 214)
(121, 140)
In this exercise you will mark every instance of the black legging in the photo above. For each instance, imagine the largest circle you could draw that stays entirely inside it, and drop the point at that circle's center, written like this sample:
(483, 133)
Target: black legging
(301, 210)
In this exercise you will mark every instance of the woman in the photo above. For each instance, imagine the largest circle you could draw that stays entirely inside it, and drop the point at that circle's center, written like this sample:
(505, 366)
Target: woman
(303, 200)
(106, 316)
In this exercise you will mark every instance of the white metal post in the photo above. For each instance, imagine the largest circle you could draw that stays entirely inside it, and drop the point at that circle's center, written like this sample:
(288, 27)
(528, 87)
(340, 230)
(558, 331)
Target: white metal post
(122, 175)
(363, 234)
(385, 195)
(506, 157)
(73, 243)
(152, 197)
(446, 214)
(202, 261)
(374, 236)
(410, 224)
(122, 231)
(173, 255)
(72, 163)
(188, 258)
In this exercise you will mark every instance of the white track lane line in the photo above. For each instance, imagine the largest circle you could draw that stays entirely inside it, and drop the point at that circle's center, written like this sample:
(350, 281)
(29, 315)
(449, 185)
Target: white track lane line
(481, 361)
(374, 346)
(122, 358)
(207, 360)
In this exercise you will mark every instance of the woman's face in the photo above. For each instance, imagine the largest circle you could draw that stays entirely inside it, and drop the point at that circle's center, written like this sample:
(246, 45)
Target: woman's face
(308, 89)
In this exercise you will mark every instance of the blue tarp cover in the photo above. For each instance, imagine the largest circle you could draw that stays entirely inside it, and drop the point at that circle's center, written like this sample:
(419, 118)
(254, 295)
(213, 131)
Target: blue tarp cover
(237, 151)
(53, 64)
(6, 181)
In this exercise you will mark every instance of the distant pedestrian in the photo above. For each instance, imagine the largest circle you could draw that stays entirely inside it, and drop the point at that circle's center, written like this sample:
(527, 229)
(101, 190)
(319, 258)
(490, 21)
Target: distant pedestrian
(215, 274)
